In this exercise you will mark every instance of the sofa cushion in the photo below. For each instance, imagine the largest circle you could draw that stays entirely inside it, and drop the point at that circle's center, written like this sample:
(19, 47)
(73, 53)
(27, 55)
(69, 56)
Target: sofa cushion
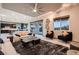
(65, 33)
(23, 33)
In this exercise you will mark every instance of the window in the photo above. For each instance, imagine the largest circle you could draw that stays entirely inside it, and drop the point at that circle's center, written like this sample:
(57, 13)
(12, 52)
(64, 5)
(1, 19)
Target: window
(61, 23)
(37, 27)
(57, 24)
(22, 26)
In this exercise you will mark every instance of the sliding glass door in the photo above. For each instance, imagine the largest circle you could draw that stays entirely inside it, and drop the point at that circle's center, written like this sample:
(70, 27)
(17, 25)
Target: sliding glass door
(37, 27)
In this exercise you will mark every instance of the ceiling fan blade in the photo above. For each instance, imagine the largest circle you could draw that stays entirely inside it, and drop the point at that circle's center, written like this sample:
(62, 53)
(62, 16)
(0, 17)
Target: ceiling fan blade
(32, 7)
(40, 7)
(38, 13)
(35, 6)
(41, 10)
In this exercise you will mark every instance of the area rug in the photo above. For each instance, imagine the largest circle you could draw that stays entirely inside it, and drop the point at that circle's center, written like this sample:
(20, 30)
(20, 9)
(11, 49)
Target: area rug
(43, 48)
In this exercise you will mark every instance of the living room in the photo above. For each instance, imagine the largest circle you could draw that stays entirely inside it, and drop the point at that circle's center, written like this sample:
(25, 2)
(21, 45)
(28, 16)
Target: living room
(59, 18)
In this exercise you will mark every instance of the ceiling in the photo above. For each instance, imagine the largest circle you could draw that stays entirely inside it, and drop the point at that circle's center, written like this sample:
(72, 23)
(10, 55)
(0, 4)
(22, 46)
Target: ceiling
(27, 8)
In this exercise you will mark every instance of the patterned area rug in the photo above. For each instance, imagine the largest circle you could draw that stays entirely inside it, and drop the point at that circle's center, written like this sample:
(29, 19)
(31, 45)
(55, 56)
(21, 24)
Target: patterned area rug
(43, 48)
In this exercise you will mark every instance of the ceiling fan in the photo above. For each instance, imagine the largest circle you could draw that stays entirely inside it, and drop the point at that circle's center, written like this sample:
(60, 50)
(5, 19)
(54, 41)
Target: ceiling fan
(37, 10)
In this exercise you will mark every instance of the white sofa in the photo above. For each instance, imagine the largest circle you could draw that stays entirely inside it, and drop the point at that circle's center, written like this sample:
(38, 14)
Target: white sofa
(21, 33)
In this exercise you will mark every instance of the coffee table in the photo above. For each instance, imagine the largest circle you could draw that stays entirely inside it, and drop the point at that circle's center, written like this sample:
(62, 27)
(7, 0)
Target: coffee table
(29, 39)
